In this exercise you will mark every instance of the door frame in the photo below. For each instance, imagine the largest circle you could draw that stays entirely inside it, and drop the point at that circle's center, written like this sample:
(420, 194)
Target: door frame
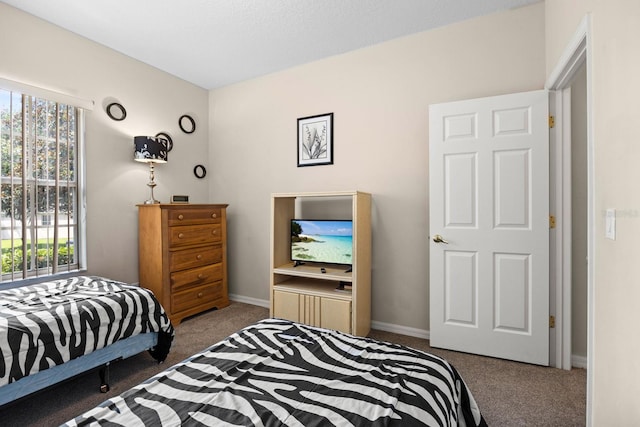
(576, 54)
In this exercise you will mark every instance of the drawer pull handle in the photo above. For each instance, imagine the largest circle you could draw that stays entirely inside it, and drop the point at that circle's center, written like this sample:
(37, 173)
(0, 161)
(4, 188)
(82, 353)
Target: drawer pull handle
(180, 216)
(214, 215)
(200, 276)
(214, 232)
(199, 256)
(180, 236)
(199, 294)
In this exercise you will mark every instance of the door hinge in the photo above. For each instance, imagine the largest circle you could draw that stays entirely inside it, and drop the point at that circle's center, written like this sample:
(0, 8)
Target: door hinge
(552, 321)
(552, 121)
(552, 221)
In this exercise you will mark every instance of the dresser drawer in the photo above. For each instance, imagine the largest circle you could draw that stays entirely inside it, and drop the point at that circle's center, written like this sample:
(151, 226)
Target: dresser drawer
(195, 277)
(194, 216)
(197, 257)
(195, 296)
(183, 256)
(194, 235)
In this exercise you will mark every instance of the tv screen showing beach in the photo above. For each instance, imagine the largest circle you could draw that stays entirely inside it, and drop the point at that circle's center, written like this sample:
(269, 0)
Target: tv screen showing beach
(322, 241)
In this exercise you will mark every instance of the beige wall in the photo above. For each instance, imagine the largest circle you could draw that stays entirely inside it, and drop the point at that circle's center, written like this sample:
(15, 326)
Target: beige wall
(380, 98)
(44, 55)
(615, 59)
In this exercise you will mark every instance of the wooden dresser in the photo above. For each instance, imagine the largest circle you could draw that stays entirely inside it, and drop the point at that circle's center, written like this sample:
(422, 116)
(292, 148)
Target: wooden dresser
(183, 256)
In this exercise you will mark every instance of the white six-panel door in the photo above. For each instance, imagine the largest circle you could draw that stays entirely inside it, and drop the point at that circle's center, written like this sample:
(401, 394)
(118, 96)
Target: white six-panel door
(489, 226)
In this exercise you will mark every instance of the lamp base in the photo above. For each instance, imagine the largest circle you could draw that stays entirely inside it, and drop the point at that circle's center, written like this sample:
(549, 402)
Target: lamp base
(151, 184)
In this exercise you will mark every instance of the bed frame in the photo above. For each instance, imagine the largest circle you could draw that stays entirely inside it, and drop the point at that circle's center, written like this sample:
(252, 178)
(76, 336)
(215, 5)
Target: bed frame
(100, 358)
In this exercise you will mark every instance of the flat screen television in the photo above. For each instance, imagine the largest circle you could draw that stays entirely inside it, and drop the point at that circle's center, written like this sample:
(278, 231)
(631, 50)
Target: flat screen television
(322, 241)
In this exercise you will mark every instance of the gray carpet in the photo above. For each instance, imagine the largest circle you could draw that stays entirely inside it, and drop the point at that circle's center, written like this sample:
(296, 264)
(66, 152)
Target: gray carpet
(511, 393)
(508, 393)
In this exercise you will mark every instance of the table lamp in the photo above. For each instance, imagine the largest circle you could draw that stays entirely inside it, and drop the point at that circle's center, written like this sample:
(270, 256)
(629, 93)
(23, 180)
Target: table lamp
(150, 149)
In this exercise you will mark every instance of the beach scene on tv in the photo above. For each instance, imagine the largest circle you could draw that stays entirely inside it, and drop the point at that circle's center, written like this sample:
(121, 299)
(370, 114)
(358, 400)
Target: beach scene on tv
(322, 241)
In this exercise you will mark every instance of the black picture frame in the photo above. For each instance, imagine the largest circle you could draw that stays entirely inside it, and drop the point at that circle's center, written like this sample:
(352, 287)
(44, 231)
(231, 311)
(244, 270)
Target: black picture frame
(315, 140)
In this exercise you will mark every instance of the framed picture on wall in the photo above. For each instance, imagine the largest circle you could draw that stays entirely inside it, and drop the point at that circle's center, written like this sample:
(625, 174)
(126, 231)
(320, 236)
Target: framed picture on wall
(315, 140)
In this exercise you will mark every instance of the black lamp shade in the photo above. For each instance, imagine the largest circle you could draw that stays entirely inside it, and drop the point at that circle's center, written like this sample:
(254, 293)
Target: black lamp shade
(150, 149)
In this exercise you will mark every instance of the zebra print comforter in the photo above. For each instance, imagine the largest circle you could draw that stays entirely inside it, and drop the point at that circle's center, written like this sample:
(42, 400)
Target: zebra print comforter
(50, 323)
(277, 373)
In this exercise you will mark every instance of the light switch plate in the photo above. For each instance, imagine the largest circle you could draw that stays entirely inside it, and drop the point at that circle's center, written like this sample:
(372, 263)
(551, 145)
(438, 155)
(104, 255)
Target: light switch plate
(610, 224)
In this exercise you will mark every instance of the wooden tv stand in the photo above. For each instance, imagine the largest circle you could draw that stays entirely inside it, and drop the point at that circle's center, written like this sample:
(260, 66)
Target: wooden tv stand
(304, 293)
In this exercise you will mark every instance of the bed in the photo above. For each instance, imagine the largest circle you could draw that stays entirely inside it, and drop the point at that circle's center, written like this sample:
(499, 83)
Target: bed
(277, 372)
(55, 330)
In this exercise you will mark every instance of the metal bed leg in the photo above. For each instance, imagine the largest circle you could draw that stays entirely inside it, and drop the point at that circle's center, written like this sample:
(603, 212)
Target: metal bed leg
(104, 378)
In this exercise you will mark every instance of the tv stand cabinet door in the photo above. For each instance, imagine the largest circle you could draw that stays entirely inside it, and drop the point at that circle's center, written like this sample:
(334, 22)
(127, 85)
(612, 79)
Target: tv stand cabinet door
(335, 314)
(286, 306)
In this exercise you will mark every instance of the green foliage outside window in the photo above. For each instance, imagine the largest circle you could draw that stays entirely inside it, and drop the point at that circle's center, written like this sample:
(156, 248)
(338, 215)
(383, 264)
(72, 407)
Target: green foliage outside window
(44, 257)
(52, 156)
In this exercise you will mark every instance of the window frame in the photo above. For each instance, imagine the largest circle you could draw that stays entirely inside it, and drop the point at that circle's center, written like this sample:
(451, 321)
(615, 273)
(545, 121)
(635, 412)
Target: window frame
(52, 269)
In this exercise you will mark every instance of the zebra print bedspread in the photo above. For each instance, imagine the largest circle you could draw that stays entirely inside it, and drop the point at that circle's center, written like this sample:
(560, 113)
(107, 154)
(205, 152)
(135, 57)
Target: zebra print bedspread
(50, 323)
(277, 373)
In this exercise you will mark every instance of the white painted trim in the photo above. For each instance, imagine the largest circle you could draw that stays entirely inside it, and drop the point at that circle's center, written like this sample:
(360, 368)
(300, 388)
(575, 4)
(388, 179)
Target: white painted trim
(555, 234)
(560, 237)
(576, 361)
(591, 245)
(574, 55)
(48, 94)
(249, 300)
(577, 52)
(82, 184)
(399, 329)
(579, 361)
(567, 219)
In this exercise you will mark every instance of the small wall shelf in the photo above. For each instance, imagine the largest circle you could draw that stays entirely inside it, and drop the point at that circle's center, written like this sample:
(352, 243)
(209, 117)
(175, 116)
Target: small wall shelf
(304, 293)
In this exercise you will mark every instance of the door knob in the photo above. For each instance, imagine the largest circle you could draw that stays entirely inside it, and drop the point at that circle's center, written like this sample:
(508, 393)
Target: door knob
(438, 239)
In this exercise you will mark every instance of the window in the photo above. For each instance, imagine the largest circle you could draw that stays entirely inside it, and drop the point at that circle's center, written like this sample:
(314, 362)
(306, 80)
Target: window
(40, 206)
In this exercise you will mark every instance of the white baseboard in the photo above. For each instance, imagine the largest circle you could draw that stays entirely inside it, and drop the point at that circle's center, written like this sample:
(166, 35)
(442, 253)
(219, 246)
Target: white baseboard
(382, 326)
(249, 300)
(578, 361)
(399, 329)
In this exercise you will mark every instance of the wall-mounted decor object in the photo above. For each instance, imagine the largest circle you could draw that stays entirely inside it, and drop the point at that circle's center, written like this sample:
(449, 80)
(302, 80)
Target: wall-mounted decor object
(187, 124)
(199, 171)
(116, 111)
(150, 150)
(168, 138)
(315, 140)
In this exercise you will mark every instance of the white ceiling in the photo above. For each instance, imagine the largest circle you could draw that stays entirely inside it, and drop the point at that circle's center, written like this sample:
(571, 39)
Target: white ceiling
(214, 43)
